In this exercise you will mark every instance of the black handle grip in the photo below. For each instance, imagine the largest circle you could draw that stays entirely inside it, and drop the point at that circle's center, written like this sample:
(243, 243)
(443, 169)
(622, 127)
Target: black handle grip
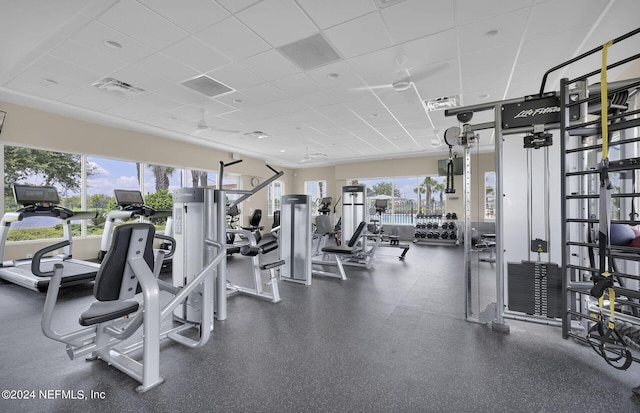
(37, 257)
(598, 289)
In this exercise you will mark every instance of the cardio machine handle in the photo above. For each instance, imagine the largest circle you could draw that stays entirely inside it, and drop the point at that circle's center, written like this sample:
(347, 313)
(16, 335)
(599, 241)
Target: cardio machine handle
(37, 257)
(171, 241)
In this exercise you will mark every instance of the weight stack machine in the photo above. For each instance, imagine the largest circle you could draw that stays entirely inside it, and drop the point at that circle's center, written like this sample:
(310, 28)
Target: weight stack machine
(196, 218)
(354, 205)
(295, 238)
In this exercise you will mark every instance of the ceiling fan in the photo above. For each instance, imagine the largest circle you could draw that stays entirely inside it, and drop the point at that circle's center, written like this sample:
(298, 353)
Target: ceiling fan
(310, 156)
(405, 79)
(203, 126)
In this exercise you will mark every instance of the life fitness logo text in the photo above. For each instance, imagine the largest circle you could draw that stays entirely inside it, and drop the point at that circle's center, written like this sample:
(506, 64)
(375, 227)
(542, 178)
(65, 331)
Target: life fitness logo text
(527, 113)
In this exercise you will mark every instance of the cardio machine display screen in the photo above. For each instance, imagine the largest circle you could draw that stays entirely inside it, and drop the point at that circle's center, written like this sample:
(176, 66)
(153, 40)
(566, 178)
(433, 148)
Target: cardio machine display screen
(126, 198)
(32, 195)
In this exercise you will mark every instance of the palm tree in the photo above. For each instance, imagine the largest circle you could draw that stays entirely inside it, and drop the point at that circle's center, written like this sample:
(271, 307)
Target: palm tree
(440, 189)
(428, 186)
(162, 174)
(198, 178)
(419, 190)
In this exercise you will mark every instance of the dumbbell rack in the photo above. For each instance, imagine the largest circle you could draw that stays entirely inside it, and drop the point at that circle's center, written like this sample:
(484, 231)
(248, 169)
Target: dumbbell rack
(436, 230)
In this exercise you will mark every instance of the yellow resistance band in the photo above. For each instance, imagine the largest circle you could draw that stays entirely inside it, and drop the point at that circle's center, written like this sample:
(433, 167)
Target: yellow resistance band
(604, 117)
(604, 102)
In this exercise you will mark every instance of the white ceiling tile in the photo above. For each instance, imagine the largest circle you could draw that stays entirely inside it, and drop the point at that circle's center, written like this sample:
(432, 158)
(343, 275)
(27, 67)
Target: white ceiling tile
(417, 18)
(196, 54)
(166, 68)
(235, 76)
(359, 36)
(478, 36)
(237, 100)
(347, 78)
(194, 111)
(179, 93)
(95, 35)
(270, 65)
(191, 16)
(279, 22)
(137, 21)
(235, 6)
(62, 69)
(84, 56)
(265, 93)
(327, 13)
(318, 99)
(245, 43)
(554, 47)
(91, 98)
(31, 81)
(298, 84)
(556, 16)
(139, 78)
(468, 11)
(487, 69)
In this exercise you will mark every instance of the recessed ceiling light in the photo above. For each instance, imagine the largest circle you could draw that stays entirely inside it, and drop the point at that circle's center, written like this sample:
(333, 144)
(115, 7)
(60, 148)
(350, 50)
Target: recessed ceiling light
(237, 100)
(484, 96)
(333, 76)
(435, 142)
(113, 44)
(283, 150)
(374, 115)
(492, 33)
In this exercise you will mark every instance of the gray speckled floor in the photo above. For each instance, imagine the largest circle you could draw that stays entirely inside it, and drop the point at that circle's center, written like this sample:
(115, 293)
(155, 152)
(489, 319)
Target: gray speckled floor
(390, 339)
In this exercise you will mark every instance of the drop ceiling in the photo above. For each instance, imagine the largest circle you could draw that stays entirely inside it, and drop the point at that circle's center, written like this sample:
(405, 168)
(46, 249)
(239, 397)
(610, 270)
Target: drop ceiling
(294, 77)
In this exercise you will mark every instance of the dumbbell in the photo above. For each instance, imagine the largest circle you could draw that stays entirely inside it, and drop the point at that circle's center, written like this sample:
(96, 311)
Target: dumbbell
(452, 225)
(453, 235)
(436, 235)
(445, 225)
(444, 235)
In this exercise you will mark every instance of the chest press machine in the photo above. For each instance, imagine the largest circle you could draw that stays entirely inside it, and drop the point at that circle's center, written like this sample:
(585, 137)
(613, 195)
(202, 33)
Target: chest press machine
(129, 267)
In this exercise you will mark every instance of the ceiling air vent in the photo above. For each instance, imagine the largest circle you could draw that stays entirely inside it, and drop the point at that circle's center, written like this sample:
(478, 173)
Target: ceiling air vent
(310, 53)
(119, 88)
(207, 86)
(442, 103)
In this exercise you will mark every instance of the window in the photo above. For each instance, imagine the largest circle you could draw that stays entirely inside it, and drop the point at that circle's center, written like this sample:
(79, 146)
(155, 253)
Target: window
(39, 167)
(405, 197)
(316, 190)
(201, 178)
(105, 175)
(490, 195)
(274, 197)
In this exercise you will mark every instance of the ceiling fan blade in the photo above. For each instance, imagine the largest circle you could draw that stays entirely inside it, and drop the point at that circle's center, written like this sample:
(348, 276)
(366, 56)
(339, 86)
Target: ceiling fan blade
(223, 130)
(419, 75)
(357, 89)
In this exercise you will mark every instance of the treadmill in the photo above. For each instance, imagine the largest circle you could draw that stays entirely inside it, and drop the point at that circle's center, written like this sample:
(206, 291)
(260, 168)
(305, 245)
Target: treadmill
(131, 205)
(43, 201)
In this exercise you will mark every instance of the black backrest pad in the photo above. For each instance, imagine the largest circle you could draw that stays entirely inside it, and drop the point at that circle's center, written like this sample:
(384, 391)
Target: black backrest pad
(357, 234)
(255, 218)
(109, 277)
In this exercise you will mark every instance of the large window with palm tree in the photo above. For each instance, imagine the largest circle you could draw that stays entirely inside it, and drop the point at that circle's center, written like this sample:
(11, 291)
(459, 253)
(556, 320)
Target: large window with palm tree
(406, 196)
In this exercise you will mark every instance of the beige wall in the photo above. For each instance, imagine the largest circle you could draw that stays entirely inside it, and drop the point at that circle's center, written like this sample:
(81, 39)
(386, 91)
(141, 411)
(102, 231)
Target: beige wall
(34, 128)
(37, 129)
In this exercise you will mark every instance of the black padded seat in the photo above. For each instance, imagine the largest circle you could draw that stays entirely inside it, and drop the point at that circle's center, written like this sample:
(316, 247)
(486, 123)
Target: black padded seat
(107, 286)
(270, 265)
(101, 311)
(350, 247)
(233, 249)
